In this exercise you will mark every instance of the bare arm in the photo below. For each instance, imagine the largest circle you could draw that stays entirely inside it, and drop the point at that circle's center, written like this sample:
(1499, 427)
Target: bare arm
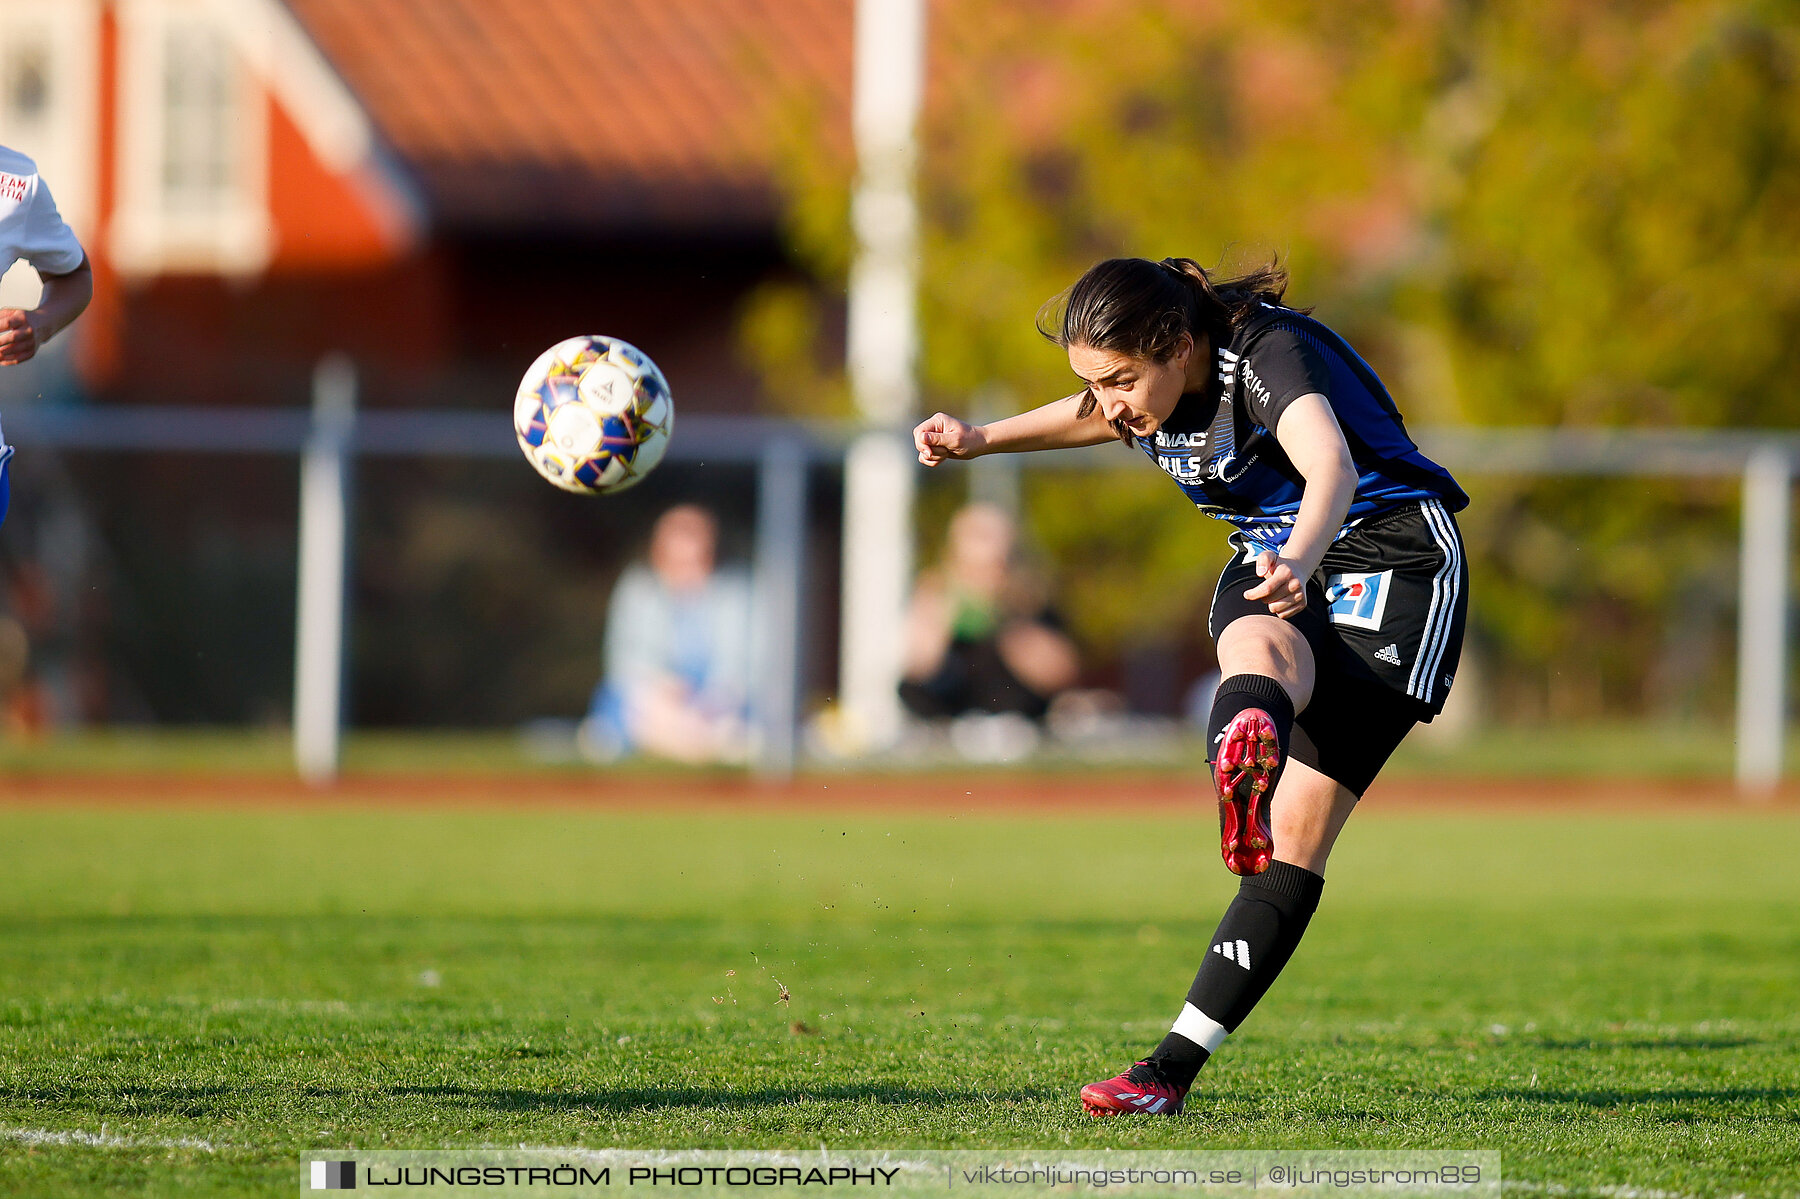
(1308, 432)
(65, 297)
(1054, 426)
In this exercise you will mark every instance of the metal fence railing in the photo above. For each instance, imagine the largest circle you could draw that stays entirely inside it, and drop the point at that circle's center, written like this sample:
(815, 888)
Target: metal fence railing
(782, 452)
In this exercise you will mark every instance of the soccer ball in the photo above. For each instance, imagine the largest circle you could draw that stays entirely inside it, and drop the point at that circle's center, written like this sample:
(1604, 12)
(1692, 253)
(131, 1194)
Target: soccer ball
(593, 415)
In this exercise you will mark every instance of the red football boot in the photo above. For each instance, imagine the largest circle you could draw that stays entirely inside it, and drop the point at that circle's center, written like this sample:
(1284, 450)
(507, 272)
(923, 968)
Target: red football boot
(1244, 769)
(1140, 1091)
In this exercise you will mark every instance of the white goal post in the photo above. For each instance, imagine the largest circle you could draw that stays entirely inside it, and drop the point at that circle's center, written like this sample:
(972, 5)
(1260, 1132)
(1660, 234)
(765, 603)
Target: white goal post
(1764, 460)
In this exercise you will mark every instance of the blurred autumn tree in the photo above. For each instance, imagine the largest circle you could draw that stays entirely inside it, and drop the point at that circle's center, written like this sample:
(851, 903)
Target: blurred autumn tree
(1561, 211)
(1614, 239)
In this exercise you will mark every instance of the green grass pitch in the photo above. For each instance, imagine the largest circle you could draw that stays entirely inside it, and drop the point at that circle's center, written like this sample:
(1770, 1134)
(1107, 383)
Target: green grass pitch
(1610, 999)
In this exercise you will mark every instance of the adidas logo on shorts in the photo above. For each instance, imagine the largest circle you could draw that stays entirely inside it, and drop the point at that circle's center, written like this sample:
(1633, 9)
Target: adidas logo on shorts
(1388, 653)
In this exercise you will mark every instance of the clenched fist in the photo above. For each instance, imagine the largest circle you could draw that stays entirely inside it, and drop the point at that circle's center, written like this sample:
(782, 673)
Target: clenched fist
(18, 337)
(941, 437)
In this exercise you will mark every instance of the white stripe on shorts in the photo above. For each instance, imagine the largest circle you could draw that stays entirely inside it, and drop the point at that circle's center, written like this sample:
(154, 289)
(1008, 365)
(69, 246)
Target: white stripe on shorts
(1199, 1028)
(1419, 684)
(1446, 586)
(1454, 540)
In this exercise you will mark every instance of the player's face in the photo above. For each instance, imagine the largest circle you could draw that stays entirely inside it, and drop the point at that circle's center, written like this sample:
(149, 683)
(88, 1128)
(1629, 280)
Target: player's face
(1133, 393)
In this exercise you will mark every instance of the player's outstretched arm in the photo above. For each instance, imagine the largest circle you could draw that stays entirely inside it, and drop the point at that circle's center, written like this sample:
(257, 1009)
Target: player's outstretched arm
(65, 297)
(1055, 426)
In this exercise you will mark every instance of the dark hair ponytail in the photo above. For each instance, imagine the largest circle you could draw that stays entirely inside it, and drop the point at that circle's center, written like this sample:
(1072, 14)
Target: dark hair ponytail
(1140, 308)
(1229, 305)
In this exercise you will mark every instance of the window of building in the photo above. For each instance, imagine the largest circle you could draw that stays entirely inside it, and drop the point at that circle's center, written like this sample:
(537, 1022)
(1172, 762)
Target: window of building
(193, 144)
(199, 104)
(27, 83)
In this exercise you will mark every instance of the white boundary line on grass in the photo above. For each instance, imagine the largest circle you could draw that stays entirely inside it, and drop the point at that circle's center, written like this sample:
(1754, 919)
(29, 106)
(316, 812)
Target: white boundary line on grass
(610, 1156)
(1608, 1192)
(101, 1139)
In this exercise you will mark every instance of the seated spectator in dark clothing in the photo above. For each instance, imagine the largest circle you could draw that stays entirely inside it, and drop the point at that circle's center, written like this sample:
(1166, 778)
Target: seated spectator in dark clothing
(980, 636)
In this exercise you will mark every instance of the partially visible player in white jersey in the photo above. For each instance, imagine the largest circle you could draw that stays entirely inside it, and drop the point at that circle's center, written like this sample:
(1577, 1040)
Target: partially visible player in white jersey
(31, 229)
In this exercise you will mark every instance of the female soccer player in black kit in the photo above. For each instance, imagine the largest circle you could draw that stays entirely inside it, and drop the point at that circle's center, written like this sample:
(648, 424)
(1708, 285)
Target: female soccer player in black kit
(1339, 620)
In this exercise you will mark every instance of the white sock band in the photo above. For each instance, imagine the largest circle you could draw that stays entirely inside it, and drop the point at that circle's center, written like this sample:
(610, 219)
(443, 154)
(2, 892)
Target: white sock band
(1199, 1028)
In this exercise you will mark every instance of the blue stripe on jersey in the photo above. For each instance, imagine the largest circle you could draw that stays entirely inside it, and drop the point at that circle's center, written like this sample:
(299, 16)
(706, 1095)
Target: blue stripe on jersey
(1263, 499)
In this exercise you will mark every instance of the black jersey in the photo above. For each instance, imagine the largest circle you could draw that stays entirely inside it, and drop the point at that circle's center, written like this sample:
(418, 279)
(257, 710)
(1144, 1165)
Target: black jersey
(1219, 446)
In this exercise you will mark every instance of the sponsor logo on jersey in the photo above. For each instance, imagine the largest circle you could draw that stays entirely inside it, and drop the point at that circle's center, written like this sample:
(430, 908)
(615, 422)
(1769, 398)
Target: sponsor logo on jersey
(1178, 441)
(1259, 391)
(1180, 466)
(12, 187)
(1358, 601)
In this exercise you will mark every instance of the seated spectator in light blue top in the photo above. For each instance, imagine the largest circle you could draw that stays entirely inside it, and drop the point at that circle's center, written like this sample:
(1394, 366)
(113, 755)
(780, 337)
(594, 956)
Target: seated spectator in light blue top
(677, 660)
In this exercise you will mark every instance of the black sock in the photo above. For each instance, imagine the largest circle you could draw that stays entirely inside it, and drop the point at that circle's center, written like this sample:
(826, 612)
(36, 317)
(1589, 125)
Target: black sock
(1255, 939)
(1242, 691)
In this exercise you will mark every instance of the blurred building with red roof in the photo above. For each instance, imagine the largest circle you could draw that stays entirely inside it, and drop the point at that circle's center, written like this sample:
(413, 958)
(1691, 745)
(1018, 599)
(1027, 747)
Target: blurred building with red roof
(437, 187)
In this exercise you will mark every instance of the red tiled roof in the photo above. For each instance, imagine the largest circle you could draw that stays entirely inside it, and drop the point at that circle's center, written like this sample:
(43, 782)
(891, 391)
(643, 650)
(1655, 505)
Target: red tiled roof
(587, 112)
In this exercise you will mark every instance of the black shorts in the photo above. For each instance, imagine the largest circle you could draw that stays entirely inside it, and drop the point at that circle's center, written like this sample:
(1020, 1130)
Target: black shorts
(1384, 615)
